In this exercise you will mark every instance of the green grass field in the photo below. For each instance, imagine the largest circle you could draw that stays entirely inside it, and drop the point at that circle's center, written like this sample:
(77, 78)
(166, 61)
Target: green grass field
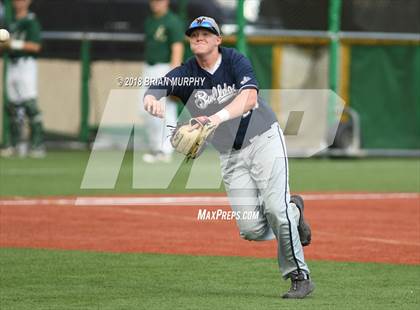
(61, 173)
(41, 279)
(47, 279)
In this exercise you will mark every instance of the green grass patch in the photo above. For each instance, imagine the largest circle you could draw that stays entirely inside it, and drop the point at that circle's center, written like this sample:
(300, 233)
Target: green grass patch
(61, 173)
(368, 175)
(46, 279)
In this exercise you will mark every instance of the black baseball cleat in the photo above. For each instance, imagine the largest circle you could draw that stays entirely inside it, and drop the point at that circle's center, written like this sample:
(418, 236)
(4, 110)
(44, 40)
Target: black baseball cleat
(301, 286)
(304, 229)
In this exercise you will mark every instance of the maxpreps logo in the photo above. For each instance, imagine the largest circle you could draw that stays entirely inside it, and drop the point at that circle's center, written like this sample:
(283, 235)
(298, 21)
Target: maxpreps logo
(223, 215)
(218, 95)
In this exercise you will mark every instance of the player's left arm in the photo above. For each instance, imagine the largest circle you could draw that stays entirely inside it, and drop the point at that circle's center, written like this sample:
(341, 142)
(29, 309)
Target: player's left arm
(177, 53)
(243, 103)
(33, 45)
(247, 98)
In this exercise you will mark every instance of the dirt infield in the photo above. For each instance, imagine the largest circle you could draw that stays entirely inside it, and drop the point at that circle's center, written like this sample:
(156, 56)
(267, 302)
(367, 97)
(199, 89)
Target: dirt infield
(352, 227)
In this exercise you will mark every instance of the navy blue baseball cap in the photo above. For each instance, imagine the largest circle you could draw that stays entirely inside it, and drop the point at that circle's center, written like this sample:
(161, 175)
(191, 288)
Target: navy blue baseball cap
(204, 22)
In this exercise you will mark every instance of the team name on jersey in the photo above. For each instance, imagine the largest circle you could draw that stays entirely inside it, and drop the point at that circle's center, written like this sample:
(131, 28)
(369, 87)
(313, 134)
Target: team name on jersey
(219, 95)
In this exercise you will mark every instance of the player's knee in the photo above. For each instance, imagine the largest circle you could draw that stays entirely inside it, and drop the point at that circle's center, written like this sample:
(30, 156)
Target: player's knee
(279, 218)
(33, 113)
(10, 110)
(35, 118)
(254, 233)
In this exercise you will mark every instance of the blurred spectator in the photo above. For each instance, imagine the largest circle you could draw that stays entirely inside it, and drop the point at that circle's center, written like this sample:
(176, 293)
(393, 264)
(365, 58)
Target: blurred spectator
(23, 46)
(164, 50)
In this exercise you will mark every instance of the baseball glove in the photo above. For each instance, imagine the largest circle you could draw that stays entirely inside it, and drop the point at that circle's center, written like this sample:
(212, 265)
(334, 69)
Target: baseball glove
(191, 138)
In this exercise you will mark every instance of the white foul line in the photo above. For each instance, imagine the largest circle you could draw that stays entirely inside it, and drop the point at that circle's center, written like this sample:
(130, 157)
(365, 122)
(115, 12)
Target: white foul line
(188, 200)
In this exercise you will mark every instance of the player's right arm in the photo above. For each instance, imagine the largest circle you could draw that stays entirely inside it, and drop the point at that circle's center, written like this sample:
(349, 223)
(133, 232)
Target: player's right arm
(154, 106)
(151, 102)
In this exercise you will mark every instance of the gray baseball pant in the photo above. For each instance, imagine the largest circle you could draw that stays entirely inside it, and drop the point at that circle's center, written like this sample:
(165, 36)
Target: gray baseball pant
(257, 179)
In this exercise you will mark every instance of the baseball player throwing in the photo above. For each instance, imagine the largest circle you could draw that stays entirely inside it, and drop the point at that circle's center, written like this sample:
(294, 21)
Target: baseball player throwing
(251, 145)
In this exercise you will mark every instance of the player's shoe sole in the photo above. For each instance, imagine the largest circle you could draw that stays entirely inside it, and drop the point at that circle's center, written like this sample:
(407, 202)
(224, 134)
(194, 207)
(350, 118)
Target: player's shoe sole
(305, 233)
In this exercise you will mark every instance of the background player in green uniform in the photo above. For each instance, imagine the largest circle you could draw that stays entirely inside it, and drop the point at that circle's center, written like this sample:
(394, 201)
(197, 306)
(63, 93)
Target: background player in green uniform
(23, 46)
(164, 51)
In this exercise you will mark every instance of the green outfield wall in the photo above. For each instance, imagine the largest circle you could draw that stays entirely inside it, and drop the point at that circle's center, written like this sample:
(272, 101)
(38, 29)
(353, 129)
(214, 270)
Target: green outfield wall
(380, 80)
(385, 91)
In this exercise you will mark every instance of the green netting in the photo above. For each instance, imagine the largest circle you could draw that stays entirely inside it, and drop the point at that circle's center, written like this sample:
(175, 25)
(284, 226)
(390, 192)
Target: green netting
(385, 91)
(261, 58)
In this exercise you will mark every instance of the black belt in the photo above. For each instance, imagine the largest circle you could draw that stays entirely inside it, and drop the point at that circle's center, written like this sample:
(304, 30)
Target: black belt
(244, 143)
